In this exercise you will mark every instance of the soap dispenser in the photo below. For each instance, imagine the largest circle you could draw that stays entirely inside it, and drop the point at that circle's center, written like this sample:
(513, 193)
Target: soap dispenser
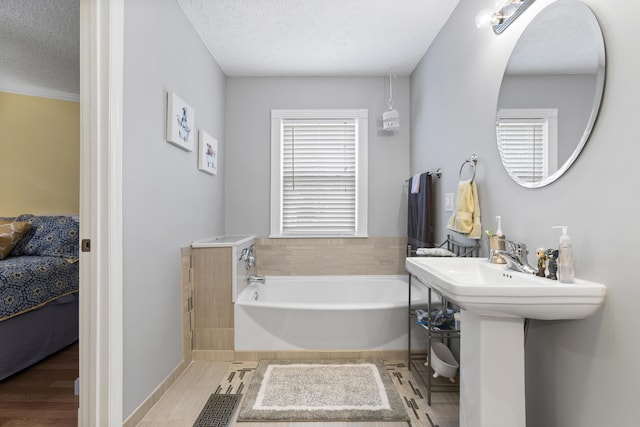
(499, 228)
(566, 273)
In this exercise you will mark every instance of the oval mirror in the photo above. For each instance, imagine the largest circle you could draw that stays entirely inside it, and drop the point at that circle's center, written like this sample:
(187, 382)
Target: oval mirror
(550, 93)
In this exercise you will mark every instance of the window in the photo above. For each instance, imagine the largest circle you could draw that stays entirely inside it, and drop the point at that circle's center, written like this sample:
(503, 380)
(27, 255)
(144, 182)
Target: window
(319, 173)
(527, 140)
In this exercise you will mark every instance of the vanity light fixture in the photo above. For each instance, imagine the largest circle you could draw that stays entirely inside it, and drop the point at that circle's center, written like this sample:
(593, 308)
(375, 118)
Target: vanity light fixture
(505, 13)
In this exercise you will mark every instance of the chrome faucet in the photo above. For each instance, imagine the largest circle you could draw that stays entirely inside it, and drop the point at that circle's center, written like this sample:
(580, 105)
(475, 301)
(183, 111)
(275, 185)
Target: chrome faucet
(515, 256)
(255, 279)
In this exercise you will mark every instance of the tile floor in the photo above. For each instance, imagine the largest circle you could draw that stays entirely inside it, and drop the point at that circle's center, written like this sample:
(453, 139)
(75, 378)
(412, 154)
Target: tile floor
(182, 403)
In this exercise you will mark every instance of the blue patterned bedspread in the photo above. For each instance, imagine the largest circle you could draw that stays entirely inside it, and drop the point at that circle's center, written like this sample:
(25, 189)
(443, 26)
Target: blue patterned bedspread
(27, 282)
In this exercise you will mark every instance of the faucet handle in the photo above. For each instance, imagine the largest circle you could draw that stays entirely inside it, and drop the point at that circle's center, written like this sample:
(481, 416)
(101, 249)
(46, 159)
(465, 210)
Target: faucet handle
(250, 262)
(517, 249)
(511, 245)
(515, 245)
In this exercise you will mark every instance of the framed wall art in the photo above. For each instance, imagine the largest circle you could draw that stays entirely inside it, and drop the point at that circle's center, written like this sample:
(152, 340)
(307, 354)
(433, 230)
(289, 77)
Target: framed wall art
(208, 153)
(180, 122)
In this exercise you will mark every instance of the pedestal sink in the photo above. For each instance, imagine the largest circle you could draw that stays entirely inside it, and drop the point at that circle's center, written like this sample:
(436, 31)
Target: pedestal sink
(494, 302)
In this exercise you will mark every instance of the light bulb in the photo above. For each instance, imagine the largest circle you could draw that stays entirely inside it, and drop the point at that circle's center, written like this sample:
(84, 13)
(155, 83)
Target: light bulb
(484, 18)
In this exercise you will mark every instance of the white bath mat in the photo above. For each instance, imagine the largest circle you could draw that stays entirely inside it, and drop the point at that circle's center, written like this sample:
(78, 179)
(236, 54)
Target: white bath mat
(322, 390)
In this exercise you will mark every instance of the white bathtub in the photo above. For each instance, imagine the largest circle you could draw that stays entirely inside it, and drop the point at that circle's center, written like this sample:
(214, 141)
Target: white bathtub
(325, 313)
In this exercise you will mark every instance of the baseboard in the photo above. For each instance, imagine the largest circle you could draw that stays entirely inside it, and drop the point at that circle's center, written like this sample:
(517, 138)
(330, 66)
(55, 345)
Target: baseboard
(213, 355)
(138, 414)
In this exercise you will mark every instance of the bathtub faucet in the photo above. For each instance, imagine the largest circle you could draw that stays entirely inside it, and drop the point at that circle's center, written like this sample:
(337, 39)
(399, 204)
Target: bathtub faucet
(255, 279)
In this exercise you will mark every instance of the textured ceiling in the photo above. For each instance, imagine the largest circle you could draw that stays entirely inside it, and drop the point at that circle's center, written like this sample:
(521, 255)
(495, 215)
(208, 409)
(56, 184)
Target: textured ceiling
(39, 47)
(39, 39)
(317, 37)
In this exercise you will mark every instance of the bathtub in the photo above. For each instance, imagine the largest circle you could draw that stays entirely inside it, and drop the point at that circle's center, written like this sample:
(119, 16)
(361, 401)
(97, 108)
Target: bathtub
(325, 313)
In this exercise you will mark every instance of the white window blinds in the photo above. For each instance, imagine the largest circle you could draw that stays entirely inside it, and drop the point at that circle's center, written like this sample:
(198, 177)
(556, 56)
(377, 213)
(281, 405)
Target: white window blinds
(523, 148)
(319, 177)
(318, 173)
(527, 140)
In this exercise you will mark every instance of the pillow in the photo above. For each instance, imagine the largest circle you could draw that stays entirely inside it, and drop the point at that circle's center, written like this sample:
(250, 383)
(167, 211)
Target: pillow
(10, 234)
(49, 236)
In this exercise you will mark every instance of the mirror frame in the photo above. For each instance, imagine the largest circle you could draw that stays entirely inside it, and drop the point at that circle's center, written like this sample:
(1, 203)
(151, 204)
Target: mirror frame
(598, 96)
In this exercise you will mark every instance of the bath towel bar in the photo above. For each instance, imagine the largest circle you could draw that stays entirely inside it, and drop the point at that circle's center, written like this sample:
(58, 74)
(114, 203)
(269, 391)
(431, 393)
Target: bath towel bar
(437, 173)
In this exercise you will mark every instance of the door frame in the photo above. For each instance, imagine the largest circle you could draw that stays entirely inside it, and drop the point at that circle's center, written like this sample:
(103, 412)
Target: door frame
(101, 315)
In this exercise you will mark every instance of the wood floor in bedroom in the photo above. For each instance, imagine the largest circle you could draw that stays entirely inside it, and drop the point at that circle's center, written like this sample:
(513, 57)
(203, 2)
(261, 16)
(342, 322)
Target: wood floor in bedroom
(43, 394)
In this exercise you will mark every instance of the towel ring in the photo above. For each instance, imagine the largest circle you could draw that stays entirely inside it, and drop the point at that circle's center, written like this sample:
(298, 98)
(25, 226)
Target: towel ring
(472, 162)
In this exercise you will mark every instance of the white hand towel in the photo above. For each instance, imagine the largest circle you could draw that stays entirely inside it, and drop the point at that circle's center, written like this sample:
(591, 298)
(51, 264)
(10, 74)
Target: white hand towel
(434, 252)
(415, 184)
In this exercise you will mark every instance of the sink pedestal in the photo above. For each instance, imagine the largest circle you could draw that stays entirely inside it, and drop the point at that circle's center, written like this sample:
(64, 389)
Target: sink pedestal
(492, 391)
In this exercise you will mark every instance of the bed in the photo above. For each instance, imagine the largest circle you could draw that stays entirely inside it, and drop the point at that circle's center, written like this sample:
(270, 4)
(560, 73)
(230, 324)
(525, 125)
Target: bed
(39, 278)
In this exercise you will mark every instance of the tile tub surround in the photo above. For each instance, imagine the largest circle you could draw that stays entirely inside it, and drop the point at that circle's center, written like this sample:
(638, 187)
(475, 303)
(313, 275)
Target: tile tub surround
(333, 256)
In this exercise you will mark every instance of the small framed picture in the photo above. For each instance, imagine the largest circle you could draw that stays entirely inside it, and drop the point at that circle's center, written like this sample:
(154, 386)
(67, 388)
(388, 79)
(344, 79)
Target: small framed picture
(208, 153)
(180, 122)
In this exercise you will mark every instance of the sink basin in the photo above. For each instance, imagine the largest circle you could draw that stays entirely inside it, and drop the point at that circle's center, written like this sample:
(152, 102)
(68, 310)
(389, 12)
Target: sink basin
(492, 290)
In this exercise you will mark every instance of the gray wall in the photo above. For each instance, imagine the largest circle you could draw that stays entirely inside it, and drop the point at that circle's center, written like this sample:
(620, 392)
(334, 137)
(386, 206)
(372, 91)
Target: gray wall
(168, 202)
(249, 105)
(579, 373)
